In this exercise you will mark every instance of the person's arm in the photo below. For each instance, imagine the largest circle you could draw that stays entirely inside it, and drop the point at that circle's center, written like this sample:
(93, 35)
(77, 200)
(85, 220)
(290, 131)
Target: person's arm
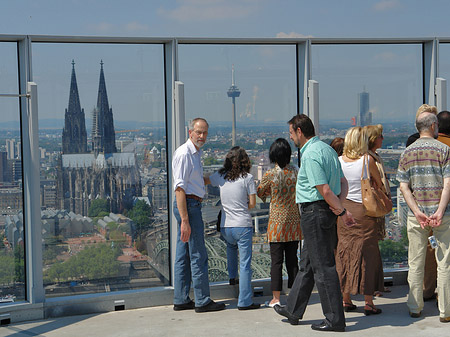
(436, 218)
(375, 174)
(264, 187)
(207, 180)
(409, 198)
(335, 203)
(251, 201)
(344, 189)
(185, 228)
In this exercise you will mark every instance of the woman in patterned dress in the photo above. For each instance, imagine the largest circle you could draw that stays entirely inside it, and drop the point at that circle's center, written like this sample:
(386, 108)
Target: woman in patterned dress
(283, 231)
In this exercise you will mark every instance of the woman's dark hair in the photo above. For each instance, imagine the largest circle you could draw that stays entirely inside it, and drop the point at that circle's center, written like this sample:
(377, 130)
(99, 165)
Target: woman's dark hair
(237, 164)
(338, 145)
(280, 152)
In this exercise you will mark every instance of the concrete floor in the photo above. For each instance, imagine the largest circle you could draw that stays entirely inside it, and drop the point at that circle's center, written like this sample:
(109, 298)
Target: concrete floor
(163, 321)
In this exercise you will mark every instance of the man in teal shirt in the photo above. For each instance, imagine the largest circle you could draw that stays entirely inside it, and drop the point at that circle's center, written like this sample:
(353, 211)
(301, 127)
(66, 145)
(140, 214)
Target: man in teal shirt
(321, 188)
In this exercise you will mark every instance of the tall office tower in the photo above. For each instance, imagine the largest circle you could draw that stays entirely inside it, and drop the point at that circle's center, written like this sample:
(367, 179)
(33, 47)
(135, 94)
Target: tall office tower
(11, 148)
(74, 137)
(3, 166)
(233, 92)
(103, 135)
(365, 116)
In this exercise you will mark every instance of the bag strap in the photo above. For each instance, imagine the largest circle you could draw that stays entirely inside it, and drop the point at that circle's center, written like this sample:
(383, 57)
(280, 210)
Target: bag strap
(365, 167)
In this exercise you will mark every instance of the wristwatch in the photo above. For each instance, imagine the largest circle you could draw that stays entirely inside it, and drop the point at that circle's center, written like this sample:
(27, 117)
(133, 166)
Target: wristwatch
(343, 212)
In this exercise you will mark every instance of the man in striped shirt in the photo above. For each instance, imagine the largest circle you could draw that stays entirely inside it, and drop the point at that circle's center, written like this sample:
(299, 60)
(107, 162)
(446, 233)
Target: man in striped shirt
(424, 176)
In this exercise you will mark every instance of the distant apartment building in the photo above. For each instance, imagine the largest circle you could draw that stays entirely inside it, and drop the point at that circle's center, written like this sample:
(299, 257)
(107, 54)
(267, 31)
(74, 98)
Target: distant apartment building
(11, 148)
(11, 200)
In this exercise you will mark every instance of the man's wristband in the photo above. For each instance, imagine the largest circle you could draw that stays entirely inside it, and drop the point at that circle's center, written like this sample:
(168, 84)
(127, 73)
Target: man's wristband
(343, 212)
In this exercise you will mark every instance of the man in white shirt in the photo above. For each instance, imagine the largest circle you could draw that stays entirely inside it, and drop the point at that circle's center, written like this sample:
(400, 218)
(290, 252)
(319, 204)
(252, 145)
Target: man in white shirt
(191, 259)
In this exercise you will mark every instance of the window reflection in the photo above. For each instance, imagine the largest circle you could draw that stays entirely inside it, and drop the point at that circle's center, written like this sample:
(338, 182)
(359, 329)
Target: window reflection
(265, 78)
(12, 267)
(373, 84)
(103, 168)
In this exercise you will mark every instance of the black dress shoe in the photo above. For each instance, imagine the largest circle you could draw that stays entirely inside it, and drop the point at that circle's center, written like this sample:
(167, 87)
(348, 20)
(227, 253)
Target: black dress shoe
(250, 307)
(185, 306)
(211, 306)
(234, 281)
(325, 326)
(283, 312)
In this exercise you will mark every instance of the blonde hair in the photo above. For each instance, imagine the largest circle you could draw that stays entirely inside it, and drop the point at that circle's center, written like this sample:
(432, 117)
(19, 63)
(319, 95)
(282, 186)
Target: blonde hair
(426, 108)
(373, 132)
(355, 143)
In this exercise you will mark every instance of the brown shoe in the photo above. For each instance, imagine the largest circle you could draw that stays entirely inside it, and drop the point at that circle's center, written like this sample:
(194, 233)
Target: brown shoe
(444, 319)
(414, 314)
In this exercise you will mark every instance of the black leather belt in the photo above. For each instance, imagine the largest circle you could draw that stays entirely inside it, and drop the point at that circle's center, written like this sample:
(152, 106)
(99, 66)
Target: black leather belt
(193, 196)
(305, 204)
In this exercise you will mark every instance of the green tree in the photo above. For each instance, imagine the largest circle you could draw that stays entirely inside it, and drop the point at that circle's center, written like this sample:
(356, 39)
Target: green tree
(19, 264)
(393, 251)
(7, 271)
(141, 215)
(92, 263)
(210, 161)
(98, 206)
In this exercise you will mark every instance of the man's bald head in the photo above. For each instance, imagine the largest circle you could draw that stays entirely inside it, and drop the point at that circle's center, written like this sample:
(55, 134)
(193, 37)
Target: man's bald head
(426, 121)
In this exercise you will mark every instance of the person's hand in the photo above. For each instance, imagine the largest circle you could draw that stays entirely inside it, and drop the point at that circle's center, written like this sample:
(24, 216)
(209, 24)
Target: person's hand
(436, 219)
(336, 211)
(424, 221)
(185, 231)
(348, 219)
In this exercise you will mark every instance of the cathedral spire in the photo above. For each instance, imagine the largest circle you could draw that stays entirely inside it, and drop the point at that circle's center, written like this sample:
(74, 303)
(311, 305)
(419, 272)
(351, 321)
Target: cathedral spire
(103, 134)
(74, 99)
(74, 138)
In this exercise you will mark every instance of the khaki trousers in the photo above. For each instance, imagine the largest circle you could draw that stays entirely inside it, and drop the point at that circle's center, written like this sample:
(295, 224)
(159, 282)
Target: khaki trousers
(418, 238)
(430, 277)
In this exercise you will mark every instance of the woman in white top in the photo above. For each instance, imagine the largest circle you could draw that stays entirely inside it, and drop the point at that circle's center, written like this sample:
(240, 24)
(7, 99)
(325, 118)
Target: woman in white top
(238, 195)
(358, 259)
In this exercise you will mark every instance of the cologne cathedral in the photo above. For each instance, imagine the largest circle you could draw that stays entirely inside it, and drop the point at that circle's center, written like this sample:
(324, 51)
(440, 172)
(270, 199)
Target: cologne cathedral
(98, 171)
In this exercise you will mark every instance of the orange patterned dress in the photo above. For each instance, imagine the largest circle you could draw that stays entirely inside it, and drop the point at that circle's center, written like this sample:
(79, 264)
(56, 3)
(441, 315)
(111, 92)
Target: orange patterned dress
(284, 217)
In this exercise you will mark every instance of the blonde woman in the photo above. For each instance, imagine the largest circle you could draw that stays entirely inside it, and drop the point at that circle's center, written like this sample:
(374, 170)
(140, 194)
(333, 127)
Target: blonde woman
(358, 260)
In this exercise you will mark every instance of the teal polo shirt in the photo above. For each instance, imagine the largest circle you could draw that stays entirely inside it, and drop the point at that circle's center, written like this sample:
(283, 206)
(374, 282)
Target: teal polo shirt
(319, 165)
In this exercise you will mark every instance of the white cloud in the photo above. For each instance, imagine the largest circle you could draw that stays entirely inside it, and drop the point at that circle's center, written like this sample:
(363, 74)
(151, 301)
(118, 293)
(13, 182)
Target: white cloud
(102, 28)
(386, 56)
(136, 27)
(292, 35)
(386, 5)
(210, 10)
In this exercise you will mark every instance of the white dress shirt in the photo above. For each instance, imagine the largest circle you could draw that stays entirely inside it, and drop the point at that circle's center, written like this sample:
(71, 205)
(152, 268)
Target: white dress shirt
(188, 170)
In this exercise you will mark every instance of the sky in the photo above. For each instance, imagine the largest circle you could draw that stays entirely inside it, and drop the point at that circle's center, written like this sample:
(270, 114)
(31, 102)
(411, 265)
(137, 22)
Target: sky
(265, 75)
(227, 18)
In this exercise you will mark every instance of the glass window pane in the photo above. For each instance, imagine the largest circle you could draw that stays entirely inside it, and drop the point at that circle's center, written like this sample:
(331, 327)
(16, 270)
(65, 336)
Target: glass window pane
(373, 84)
(262, 90)
(444, 66)
(102, 138)
(12, 268)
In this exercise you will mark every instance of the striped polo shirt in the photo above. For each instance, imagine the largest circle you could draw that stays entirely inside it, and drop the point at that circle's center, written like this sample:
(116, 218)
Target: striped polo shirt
(424, 165)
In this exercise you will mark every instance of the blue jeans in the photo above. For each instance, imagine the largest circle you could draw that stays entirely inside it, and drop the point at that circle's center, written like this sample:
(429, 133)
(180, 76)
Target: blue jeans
(317, 265)
(191, 259)
(240, 238)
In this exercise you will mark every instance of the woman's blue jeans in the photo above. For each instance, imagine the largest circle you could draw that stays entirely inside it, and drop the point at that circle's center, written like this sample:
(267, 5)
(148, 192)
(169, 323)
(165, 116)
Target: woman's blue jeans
(240, 238)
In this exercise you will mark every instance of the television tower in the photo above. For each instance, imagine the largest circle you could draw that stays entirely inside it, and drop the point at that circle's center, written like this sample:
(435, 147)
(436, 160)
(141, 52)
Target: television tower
(233, 92)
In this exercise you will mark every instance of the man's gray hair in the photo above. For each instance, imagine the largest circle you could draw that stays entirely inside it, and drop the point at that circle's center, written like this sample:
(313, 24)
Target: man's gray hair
(425, 120)
(195, 120)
